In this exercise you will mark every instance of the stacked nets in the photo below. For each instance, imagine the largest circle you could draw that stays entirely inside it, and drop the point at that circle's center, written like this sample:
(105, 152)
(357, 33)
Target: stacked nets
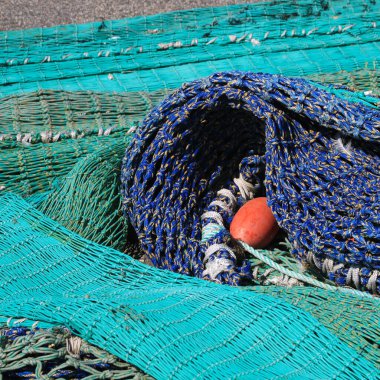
(72, 96)
(70, 84)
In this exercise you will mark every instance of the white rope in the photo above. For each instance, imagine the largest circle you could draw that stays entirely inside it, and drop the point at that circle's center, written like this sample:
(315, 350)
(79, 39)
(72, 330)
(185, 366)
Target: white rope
(246, 188)
(284, 280)
(328, 266)
(223, 205)
(73, 345)
(313, 260)
(353, 276)
(372, 281)
(229, 195)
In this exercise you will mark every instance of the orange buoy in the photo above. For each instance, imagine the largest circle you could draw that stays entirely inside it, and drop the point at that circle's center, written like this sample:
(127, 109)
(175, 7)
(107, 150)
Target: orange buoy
(254, 224)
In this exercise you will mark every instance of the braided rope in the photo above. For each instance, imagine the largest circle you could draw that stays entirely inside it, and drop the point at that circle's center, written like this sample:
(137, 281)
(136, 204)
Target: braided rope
(315, 156)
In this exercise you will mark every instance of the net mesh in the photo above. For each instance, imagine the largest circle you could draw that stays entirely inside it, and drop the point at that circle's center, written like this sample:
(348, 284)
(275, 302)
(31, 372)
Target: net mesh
(294, 38)
(70, 96)
(166, 324)
(34, 353)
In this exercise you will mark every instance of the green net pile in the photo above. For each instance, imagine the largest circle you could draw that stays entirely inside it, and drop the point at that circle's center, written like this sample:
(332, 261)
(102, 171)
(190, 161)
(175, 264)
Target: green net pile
(72, 97)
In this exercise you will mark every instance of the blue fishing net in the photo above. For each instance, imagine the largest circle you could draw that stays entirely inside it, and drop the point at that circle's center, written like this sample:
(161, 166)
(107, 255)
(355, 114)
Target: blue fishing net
(217, 142)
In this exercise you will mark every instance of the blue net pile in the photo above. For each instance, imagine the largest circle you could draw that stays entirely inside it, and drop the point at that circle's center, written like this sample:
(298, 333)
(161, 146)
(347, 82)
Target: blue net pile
(217, 142)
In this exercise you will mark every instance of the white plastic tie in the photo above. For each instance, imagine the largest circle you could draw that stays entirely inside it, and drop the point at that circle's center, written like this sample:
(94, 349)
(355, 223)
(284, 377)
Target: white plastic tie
(311, 31)
(109, 130)
(57, 136)
(217, 266)
(27, 138)
(19, 321)
(212, 41)
(35, 324)
(348, 27)
(242, 37)
(131, 130)
(46, 136)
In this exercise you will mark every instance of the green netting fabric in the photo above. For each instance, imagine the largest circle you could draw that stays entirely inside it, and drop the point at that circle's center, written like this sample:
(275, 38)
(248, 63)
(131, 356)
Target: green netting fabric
(170, 326)
(353, 319)
(50, 348)
(77, 124)
(53, 115)
(87, 199)
(294, 38)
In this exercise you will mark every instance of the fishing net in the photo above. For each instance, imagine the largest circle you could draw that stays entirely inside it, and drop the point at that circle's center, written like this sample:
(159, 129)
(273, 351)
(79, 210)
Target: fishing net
(87, 200)
(34, 353)
(220, 141)
(77, 124)
(164, 323)
(72, 97)
(294, 38)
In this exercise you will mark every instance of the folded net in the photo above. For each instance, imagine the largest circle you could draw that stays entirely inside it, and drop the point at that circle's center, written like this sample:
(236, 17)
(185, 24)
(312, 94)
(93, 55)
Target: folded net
(72, 97)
